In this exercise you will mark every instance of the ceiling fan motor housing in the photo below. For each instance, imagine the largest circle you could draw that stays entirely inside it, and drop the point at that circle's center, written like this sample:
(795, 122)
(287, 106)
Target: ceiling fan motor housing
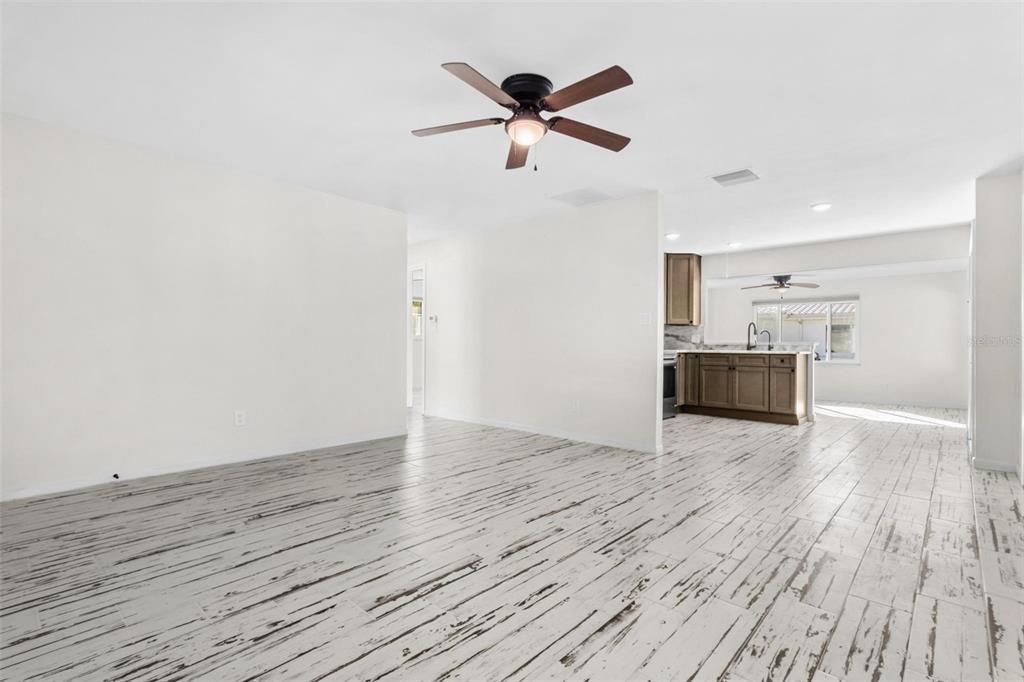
(527, 88)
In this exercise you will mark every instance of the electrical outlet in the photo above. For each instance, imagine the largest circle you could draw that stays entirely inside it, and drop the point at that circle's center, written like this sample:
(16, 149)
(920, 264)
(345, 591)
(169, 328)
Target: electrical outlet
(240, 417)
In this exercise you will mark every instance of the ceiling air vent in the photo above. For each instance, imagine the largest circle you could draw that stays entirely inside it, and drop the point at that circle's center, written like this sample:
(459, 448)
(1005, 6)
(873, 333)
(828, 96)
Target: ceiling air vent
(735, 177)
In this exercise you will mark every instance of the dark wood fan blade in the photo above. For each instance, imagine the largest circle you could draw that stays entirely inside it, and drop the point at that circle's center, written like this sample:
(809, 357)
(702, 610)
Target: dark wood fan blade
(587, 133)
(517, 154)
(761, 286)
(599, 84)
(471, 76)
(451, 127)
(805, 285)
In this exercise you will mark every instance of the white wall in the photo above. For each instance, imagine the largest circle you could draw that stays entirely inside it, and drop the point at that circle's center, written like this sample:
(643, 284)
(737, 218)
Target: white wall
(891, 251)
(913, 337)
(550, 325)
(145, 298)
(997, 257)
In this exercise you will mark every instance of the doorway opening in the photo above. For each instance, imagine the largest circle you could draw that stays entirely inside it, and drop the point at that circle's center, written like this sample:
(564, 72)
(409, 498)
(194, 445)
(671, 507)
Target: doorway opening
(415, 356)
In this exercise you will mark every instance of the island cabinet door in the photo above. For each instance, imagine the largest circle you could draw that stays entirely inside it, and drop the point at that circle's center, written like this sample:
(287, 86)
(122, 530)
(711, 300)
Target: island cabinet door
(687, 379)
(751, 388)
(692, 380)
(681, 380)
(783, 390)
(715, 385)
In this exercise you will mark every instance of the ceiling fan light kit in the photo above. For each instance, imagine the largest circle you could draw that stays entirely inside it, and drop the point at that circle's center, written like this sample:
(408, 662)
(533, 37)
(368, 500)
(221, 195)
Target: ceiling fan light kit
(527, 95)
(526, 128)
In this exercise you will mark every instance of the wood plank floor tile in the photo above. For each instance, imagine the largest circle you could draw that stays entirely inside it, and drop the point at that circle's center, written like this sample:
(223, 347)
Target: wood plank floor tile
(1003, 574)
(869, 642)
(738, 537)
(952, 578)
(898, 536)
(786, 645)
(628, 638)
(913, 510)
(703, 646)
(1006, 633)
(685, 538)
(887, 578)
(861, 508)
(743, 551)
(947, 642)
(951, 538)
(823, 579)
(950, 508)
(758, 580)
(1001, 535)
(691, 582)
(846, 536)
(793, 537)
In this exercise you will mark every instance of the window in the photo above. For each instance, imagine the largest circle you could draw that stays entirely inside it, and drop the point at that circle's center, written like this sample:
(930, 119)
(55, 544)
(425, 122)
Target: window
(417, 318)
(842, 341)
(766, 316)
(830, 324)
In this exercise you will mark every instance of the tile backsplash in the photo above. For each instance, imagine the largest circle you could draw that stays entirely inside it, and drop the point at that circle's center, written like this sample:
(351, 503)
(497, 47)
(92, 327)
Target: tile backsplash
(683, 337)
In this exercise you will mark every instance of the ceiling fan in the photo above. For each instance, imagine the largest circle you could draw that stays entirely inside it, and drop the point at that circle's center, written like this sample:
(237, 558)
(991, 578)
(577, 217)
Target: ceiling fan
(527, 95)
(782, 283)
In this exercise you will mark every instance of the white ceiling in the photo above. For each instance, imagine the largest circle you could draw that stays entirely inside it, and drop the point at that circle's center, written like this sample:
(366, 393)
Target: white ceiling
(889, 111)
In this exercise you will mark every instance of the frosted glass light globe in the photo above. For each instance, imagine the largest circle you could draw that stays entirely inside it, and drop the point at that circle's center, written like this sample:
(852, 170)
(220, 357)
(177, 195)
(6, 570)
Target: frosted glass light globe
(526, 129)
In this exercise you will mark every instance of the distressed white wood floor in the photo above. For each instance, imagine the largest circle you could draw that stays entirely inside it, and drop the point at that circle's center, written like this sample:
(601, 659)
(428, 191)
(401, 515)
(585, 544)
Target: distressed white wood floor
(847, 549)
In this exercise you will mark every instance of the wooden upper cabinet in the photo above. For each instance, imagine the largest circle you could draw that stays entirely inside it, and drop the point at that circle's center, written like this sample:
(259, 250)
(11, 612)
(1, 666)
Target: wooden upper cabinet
(682, 288)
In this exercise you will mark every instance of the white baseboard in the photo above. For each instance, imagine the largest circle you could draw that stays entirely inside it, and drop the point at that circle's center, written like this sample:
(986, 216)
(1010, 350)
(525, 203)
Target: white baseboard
(989, 465)
(555, 433)
(55, 487)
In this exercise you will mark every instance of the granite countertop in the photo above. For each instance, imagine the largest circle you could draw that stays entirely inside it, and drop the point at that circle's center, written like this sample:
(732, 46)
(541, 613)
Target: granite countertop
(733, 351)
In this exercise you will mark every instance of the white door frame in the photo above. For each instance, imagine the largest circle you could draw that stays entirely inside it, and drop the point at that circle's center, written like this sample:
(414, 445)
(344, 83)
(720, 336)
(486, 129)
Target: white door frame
(409, 343)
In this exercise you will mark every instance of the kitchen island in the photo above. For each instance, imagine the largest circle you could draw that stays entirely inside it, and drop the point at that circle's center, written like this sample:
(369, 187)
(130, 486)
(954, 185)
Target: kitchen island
(764, 385)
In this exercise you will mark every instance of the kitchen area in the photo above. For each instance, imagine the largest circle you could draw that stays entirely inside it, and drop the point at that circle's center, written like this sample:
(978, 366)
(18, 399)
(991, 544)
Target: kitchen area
(755, 379)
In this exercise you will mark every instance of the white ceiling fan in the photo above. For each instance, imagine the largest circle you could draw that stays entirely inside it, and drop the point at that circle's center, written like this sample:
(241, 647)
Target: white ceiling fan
(782, 283)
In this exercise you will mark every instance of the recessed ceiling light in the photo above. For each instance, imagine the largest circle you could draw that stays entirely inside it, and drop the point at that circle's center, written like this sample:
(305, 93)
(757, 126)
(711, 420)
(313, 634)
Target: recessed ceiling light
(735, 245)
(672, 236)
(821, 208)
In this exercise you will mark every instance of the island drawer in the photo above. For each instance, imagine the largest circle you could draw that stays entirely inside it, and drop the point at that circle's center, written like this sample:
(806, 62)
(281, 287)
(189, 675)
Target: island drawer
(714, 359)
(783, 361)
(751, 360)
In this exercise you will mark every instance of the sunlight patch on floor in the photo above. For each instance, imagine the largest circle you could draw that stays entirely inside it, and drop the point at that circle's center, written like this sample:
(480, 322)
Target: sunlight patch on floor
(883, 414)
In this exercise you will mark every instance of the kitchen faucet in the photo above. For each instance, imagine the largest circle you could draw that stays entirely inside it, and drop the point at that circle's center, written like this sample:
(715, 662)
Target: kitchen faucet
(752, 346)
(765, 331)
